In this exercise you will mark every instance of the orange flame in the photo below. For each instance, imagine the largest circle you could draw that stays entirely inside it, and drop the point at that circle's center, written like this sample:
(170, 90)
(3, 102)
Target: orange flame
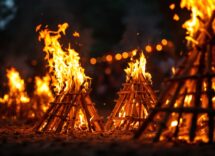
(76, 34)
(42, 86)
(64, 64)
(17, 94)
(137, 68)
(201, 11)
(81, 122)
(43, 91)
(16, 87)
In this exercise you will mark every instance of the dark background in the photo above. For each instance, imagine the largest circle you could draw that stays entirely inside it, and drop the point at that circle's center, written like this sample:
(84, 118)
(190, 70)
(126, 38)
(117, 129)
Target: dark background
(105, 26)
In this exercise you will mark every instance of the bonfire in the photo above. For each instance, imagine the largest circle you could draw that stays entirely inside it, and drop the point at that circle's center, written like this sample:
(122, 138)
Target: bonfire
(72, 109)
(15, 104)
(186, 108)
(136, 98)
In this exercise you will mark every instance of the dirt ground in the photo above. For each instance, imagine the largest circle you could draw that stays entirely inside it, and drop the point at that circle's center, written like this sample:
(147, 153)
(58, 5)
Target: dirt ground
(21, 140)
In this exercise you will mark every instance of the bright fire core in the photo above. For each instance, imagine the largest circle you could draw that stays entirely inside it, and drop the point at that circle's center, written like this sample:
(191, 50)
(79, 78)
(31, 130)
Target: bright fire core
(63, 63)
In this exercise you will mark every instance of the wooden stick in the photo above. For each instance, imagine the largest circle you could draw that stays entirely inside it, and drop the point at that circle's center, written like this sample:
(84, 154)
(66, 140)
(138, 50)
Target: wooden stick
(69, 107)
(210, 94)
(46, 115)
(180, 115)
(197, 97)
(163, 123)
(87, 113)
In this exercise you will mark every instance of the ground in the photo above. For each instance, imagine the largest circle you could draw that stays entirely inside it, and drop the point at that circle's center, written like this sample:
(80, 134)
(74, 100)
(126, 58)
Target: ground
(21, 140)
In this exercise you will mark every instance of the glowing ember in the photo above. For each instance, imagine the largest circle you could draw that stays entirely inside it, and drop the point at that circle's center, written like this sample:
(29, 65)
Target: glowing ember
(174, 123)
(137, 69)
(176, 17)
(172, 6)
(173, 70)
(76, 34)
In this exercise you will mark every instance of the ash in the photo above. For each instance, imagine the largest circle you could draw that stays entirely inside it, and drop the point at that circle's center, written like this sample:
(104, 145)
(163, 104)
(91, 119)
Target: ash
(22, 140)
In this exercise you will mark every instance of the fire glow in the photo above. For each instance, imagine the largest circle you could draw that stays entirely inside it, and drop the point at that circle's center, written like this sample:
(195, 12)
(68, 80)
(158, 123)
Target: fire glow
(184, 110)
(201, 12)
(71, 86)
(137, 69)
(42, 95)
(63, 64)
(136, 98)
(17, 100)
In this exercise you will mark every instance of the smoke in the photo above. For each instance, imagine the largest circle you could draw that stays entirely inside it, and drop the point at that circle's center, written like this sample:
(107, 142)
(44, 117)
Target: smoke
(141, 22)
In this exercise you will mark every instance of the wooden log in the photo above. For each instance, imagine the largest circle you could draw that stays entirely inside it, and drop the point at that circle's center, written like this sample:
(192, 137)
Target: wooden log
(210, 94)
(166, 117)
(46, 115)
(74, 117)
(180, 115)
(87, 113)
(197, 97)
(116, 109)
(65, 107)
(69, 106)
(186, 110)
(129, 117)
(50, 117)
(194, 77)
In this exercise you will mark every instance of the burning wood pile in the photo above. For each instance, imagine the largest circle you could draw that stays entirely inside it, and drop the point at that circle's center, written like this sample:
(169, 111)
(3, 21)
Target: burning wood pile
(184, 112)
(136, 98)
(15, 104)
(186, 108)
(72, 109)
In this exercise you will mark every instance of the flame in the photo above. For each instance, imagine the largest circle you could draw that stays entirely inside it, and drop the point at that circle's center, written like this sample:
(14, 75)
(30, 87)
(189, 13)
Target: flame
(122, 114)
(43, 91)
(137, 68)
(187, 100)
(176, 17)
(201, 11)
(172, 6)
(17, 92)
(81, 122)
(76, 34)
(42, 86)
(64, 64)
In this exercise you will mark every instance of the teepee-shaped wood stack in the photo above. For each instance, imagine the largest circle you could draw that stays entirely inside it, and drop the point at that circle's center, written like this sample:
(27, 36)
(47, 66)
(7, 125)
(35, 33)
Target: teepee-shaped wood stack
(70, 112)
(72, 109)
(136, 99)
(186, 108)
